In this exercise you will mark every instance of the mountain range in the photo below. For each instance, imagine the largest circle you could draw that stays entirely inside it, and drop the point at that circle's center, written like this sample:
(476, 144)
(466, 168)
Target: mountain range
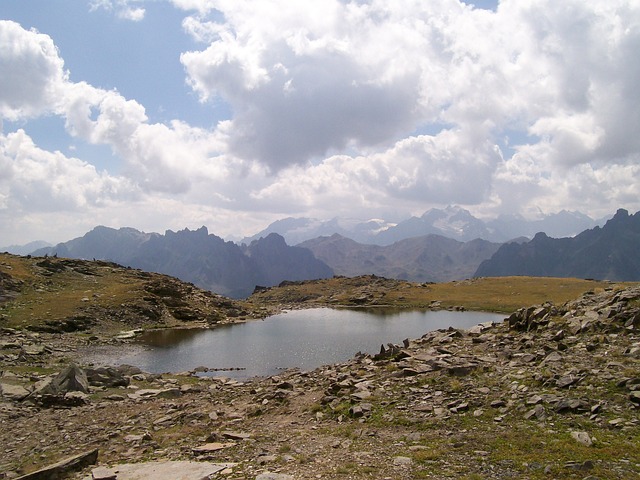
(198, 257)
(452, 222)
(608, 253)
(231, 269)
(25, 249)
(429, 258)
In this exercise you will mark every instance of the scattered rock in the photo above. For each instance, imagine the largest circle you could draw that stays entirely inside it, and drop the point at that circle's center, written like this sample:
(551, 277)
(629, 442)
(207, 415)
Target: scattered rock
(567, 380)
(155, 393)
(402, 461)
(212, 447)
(274, 476)
(13, 392)
(571, 405)
(170, 470)
(537, 412)
(579, 466)
(428, 381)
(582, 438)
(63, 467)
(104, 473)
(108, 377)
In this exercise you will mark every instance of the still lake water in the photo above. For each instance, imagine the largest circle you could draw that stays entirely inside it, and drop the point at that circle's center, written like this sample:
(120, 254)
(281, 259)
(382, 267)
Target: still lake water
(305, 339)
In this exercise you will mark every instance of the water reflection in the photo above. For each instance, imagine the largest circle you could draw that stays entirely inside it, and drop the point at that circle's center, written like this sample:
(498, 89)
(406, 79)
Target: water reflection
(171, 337)
(305, 339)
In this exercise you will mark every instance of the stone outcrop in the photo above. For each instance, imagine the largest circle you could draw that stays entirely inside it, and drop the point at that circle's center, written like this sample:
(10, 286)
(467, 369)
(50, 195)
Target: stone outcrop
(62, 468)
(108, 377)
(71, 379)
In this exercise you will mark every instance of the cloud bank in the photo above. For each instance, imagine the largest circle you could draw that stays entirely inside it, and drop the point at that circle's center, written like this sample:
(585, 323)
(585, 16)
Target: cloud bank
(342, 108)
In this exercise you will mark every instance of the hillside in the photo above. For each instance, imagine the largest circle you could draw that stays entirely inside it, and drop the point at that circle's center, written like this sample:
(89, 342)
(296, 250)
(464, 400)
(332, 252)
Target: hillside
(57, 295)
(551, 392)
(196, 256)
(430, 258)
(500, 294)
(609, 252)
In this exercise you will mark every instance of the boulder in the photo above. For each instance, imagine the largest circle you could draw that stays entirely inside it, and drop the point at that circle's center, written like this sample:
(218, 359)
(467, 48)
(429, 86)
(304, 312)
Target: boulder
(582, 438)
(71, 379)
(571, 405)
(63, 467)
(106, 377)
(13, 392)
(530, 318)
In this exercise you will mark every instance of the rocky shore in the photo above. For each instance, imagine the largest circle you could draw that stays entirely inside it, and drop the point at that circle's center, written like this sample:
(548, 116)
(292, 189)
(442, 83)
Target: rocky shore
(552, 392)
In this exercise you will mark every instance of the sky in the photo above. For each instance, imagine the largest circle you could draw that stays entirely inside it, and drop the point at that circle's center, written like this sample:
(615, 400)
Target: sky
(172, 114)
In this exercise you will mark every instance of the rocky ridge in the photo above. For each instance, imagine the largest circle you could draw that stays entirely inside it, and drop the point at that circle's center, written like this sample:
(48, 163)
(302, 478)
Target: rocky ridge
(610, 252)
(198, 257)
(430, 258)
(551, 392)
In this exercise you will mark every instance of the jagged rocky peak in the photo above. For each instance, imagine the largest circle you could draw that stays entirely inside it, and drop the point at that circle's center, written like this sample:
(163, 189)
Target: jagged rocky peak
(609, 252)
(621, 213)
(201, 232)
(272, 239)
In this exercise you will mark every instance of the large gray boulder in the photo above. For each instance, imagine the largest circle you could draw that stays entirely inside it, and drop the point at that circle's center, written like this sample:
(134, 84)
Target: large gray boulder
(106, 377)
(71, 379)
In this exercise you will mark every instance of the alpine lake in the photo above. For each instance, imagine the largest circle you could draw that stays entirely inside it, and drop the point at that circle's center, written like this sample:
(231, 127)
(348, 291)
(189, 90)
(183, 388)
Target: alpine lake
(303, 339)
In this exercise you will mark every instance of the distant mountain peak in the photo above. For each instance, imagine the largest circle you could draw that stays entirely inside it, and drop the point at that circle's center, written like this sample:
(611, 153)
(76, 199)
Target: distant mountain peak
(199, 257)
(606, 253)
(620, 214)
(452, 221)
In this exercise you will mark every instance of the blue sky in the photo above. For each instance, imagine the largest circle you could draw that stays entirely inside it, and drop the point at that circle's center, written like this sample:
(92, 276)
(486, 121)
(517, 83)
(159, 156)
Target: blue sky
(139, 59)
(166, 114)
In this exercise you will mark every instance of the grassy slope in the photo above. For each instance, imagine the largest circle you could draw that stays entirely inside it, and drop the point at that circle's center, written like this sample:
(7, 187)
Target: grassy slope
(52, 290)
(500, 294)
(71, 287)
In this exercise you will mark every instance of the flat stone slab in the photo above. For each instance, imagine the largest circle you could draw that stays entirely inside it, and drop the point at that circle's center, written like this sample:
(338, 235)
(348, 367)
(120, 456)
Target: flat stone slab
(155, 393)
(170, 470)
(273, 476)
(63, 467)
(212, 447)
(13, 392)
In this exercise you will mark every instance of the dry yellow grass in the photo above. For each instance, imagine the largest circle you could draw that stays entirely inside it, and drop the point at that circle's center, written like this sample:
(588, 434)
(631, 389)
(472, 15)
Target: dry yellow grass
(505, 294)
(497, 294)
(87, 286)
(66, 293)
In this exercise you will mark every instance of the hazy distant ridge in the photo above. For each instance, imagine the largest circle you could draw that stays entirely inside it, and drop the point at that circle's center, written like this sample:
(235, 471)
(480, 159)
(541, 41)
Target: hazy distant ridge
(430, 258)
(25, 249)
(608, 253)
(451, 222)
(208, 261)
(198, 257)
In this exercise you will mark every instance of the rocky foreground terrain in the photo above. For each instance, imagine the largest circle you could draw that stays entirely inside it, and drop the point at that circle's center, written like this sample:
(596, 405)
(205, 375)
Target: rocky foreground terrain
(552, 392)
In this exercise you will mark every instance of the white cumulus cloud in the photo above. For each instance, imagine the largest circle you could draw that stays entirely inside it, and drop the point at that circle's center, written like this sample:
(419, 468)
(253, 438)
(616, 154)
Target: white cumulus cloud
(33, 74)
(122, 8)
(345, 108)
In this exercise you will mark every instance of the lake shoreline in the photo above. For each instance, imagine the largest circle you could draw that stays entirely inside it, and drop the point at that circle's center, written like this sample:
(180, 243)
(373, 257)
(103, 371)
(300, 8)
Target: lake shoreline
(475, 403)
(303, 339)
